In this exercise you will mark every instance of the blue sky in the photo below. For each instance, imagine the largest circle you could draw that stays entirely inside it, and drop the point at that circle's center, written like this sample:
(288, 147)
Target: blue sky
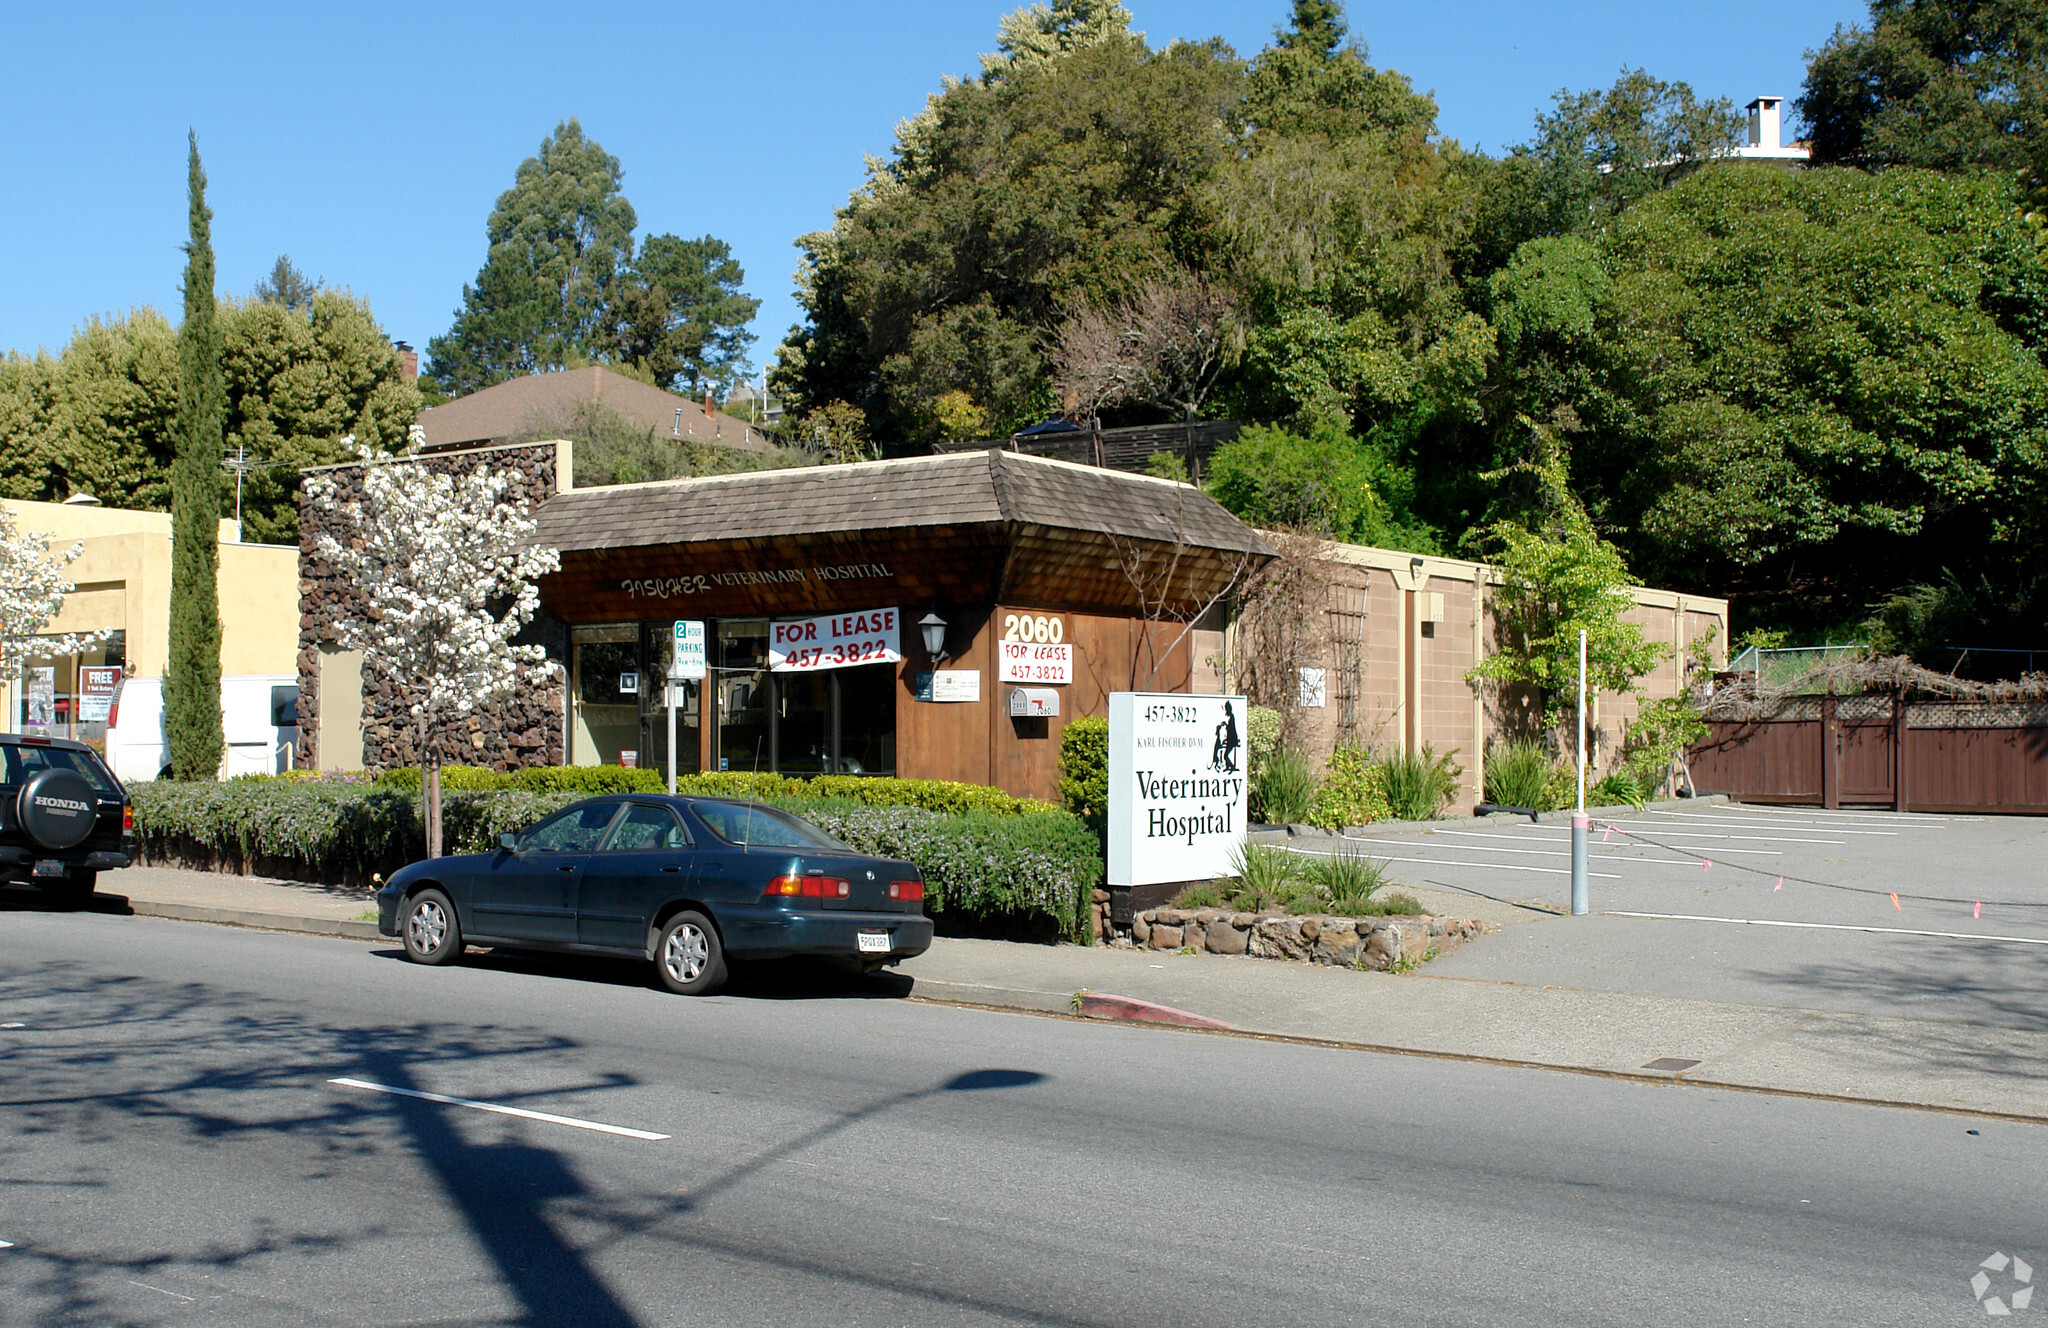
(369, 140)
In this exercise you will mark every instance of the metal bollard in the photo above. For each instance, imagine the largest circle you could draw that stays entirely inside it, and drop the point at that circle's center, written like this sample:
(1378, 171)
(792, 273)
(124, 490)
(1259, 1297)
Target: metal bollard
(1580, 824)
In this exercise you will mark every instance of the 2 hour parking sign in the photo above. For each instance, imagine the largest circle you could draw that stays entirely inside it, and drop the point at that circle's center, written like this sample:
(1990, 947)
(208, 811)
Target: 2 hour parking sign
(1177, 786)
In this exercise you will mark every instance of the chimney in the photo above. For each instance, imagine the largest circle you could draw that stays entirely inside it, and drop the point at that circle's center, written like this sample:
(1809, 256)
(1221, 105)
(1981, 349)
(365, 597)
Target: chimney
(1764, 131)
(408, 361)
(710, 410)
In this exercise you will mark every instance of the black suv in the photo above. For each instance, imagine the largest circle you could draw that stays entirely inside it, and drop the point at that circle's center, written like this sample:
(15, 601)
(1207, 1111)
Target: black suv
(64, 818)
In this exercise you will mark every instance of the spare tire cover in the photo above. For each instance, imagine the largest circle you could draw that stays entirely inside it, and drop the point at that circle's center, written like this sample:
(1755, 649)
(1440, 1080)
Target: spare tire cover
(58, 808)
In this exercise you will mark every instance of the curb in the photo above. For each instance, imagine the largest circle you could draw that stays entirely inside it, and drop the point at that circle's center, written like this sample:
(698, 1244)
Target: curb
(1128, 1009)
(348, 929)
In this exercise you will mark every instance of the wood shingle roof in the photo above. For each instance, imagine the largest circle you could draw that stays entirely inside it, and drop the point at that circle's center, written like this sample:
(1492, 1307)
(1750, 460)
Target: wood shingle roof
(992, 488)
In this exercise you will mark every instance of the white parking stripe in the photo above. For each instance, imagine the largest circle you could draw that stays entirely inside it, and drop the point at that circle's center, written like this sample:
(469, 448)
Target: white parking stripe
(520, 1112)
(1807, 809)
(1553, 839)
(1724, 823)
(1835, 926)
(1447, 862)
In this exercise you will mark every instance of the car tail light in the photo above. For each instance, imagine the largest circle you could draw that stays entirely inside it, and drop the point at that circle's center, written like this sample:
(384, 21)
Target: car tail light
(127, 820)
(809, 887)
(906, 889)
(36, 742)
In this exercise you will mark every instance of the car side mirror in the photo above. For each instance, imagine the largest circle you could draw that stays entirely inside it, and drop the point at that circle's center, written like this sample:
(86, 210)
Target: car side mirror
(508, 841)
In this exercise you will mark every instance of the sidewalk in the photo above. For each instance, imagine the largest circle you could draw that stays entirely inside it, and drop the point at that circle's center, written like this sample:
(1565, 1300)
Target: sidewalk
(1930, 1063)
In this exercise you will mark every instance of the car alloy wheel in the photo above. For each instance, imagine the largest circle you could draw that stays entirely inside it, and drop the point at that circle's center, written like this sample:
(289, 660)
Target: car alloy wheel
(688, 957)
(430, 930)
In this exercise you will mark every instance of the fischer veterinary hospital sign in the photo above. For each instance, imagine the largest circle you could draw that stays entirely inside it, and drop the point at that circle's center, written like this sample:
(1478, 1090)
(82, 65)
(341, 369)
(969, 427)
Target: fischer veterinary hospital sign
(1177, 786)
(678, 587)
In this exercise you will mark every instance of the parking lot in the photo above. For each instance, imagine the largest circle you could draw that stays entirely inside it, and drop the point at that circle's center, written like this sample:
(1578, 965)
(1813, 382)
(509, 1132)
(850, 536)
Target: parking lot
(1770, 905)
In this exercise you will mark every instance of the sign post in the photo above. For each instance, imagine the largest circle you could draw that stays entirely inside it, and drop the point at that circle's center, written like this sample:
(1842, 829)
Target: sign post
(1177, 786)
(686, 661)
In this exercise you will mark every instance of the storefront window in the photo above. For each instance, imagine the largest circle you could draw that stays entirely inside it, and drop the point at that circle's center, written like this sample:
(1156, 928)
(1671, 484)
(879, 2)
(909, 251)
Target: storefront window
(745, 695)
(836, 721)
(867, 720)
(803, 729)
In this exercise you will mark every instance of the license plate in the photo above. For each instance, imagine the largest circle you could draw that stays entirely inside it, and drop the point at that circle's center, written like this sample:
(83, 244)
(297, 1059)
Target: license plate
(874, 942)
(49, 867)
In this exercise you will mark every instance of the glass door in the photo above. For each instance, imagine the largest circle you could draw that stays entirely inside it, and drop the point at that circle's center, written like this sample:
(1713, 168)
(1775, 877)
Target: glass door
(657, 650)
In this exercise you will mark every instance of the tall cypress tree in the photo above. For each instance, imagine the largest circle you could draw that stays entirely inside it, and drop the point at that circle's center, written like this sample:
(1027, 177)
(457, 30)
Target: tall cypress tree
(192, 717)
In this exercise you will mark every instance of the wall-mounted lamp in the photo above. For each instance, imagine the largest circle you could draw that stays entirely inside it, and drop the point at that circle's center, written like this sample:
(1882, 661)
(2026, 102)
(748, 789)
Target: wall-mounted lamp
(1415, 566)
(934, 629)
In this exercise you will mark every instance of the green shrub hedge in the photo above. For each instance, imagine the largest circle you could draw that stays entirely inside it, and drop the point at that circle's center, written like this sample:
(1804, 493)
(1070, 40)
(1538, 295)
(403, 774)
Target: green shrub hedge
(935, 795)
(1084, 770)
(999, 863)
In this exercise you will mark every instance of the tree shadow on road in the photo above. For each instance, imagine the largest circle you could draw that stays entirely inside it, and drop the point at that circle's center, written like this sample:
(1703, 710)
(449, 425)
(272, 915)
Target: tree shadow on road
(113, 1068)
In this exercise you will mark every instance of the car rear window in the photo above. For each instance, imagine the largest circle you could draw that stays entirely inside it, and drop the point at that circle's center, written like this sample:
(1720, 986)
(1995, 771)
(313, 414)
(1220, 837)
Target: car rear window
(762, 827)
(24, 763)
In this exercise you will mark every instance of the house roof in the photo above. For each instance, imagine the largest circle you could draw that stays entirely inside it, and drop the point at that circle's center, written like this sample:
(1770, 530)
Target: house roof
(983, 528)
(961, 489)
(547, 401)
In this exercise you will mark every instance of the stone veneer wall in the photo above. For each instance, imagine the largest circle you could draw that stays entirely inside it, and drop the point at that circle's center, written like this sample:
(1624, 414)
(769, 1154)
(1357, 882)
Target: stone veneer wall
(1374, 943)
(520, 729)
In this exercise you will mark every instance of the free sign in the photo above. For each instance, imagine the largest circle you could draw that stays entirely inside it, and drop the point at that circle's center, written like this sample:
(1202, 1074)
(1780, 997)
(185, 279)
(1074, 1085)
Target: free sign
(836, 641)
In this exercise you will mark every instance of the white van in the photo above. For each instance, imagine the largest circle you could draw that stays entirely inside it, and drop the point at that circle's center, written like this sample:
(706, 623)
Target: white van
(259, 714)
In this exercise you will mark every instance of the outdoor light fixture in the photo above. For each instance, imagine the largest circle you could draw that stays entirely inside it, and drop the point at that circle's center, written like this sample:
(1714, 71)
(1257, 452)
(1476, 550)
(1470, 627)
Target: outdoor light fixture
(934, 629)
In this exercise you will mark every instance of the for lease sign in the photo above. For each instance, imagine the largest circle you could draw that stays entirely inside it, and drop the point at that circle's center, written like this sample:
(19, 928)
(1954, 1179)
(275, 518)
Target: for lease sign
(1177, 791)
(1022, 661)
(836, 641)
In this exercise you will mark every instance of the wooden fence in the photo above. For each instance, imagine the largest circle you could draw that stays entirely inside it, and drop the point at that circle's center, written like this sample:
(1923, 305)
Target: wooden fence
(1882, 751)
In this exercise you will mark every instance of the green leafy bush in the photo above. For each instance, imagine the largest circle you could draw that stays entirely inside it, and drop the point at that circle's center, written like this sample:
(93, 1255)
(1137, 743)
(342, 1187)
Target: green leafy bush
(1346, 880)
(937, 795)
(1616, 790)
(1261, 736)
(1353, 792)
(1561, 791)
(1421, 784)
(1032, 869)
(1040, 867)
(1084, 770)
(1284, 789)
(1517, 774)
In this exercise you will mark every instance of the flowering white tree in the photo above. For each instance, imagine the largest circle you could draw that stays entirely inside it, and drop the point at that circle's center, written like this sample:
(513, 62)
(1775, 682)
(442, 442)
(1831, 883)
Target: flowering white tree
(431, 554)
(32, 591)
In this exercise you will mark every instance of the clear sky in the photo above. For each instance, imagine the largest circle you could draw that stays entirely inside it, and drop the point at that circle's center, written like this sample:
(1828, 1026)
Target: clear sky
(368, 140)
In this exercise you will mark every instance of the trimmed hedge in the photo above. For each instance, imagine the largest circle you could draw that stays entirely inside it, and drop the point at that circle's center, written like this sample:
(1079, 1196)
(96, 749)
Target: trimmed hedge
(1022, 869)
(935, 795)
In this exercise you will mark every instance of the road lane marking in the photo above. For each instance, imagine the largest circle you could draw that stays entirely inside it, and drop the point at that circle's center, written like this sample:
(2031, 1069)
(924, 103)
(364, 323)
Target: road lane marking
(520, 1112)
(1834, 926)
(159, 1290)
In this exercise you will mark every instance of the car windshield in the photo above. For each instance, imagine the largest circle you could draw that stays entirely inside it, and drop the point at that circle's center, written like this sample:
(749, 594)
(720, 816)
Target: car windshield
(737, 823)
(25, 762)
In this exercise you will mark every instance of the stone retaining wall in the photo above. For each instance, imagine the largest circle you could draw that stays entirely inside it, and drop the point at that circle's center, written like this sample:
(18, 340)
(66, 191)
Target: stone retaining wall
(1375, 943)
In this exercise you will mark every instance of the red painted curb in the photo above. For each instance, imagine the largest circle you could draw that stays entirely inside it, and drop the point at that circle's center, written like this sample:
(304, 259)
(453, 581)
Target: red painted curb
(1098, 1005)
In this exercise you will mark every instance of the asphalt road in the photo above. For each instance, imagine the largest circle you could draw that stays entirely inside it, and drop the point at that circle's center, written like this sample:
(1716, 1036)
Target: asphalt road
(173, 1150)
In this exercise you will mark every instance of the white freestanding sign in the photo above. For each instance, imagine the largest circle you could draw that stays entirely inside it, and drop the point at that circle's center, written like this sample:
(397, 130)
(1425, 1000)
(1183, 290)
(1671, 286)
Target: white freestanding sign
(1176, 786)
